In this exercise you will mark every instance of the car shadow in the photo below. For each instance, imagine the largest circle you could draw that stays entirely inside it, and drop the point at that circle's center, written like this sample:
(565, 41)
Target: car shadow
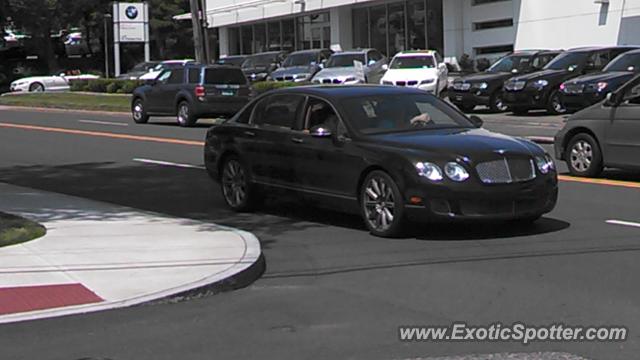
(175, 124)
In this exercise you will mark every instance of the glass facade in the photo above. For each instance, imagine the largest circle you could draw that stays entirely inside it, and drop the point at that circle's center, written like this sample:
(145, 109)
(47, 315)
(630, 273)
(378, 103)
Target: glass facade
(304, 32)
(397, 26)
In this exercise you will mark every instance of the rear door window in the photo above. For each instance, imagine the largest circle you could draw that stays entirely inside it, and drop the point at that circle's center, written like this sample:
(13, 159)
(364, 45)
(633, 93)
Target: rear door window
(224, 77)
(278, 110)
(194, 75)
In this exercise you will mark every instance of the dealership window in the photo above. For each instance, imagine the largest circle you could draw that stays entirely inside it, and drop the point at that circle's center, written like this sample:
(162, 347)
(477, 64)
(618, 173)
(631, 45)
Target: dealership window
(412, 24)
(493, 49)
(234, 41)
(247, 39)
(259, 38)
(288, 35)
(273, 35)
(313, 31)
(485, 25)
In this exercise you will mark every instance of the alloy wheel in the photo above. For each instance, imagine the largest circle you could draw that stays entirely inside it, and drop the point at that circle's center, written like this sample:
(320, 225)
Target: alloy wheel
(183, 113)
(138, 111)
(379, 204)
(556, 104)
(581, 156)
(499, 104)
(234, 184)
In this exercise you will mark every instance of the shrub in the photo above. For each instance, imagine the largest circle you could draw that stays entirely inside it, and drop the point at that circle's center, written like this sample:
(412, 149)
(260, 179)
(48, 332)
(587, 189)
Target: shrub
(111, 86)
(466, 63)
(127, 86)
(264, 86)
(483, 64)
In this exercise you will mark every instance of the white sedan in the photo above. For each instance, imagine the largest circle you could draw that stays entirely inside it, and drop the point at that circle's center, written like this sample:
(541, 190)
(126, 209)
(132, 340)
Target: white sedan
(422, 69)
(47, 83)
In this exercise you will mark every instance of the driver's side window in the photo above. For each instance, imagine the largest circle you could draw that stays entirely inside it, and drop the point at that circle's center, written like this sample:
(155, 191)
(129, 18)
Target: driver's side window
(632, 95)
(320, 113)
(164, 76)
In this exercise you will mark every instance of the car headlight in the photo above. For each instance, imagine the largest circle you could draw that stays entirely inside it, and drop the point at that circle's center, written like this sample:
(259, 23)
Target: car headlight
(540, 84)
(456, 172)
(385, 82)
(483, 86)
(601, 86)
(427, 81)
(545, 164)
(429, 170)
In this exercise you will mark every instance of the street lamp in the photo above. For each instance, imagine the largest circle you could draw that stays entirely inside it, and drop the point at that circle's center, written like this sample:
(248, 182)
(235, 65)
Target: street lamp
(107, 17)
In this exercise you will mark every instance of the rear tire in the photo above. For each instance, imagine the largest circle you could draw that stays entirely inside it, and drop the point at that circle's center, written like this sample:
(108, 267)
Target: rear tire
(139, 112)
(583, 156)
(381, 205)
(237, 190)
(185, 116)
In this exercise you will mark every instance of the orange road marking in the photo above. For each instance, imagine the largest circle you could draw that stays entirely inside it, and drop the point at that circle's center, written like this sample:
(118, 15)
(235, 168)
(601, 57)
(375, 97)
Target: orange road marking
(103, 134)
(628, 184)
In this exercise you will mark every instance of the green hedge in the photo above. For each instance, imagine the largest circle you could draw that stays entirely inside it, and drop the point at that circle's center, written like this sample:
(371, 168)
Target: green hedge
(264, 86)
(111, 86)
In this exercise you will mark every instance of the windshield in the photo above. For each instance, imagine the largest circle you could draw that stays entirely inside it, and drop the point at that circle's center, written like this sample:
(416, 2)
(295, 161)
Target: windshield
(568, 60)
(401, 112)
(509, 63)
(626, 62)
(302, 59)
(413, 62)
(143, 67)
(233, 60)
(259, 60)
(344, 60)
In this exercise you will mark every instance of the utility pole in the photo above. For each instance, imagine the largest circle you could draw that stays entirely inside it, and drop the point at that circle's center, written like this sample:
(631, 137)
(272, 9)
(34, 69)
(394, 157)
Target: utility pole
(197, 31)
(107, 17)
(205, 31)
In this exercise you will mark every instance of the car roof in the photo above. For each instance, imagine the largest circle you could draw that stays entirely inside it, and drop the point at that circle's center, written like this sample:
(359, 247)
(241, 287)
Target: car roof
(596, 48)
(268, 53)
(355, 51)
(308, 51)
(415, 52)
(336, 92)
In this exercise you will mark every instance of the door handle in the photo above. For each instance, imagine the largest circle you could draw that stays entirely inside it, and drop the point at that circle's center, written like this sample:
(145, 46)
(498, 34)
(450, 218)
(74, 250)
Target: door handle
(250, 133)
(297, 140)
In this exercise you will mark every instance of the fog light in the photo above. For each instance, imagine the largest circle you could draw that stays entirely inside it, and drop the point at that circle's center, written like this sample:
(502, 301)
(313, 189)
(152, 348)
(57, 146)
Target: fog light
(415, 200)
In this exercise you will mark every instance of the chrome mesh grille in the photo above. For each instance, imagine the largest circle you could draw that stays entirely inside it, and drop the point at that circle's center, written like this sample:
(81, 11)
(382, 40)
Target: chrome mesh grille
(515, 85)
(506, 171)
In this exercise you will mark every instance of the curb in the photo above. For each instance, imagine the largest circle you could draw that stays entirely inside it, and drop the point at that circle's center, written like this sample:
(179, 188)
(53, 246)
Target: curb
(242, 273)
(545, 140)
(52, 109)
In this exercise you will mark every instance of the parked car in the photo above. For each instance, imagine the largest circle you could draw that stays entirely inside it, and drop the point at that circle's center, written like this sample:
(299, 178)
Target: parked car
(301, 65)
(138, 70)
(587, 90)
(423, 69)
(340, 68)
(167, 64)
(257, 67)
(192, 92)
(58, 82)
(604, 135)
(485, 88)
(541, 89)
(390, 153)
(233, 60)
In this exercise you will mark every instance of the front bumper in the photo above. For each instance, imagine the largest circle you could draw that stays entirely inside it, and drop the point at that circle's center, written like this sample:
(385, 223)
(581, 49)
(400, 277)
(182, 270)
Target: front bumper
(19, 88)
(486, 202)
(581, 101)
(526, 98)
(469, 98)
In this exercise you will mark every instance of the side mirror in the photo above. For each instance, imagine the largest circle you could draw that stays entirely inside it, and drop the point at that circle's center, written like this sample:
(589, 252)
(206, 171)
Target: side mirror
(610, 100)
(62, 74)
(320, 131)
(514, 71)
(476, 121)
(371, 63)
(385, 67)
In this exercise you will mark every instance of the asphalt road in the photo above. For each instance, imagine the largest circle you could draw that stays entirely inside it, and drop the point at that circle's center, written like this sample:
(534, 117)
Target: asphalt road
(330, 290)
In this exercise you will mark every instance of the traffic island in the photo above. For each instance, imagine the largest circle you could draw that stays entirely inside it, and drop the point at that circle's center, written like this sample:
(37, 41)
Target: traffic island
(15, 230)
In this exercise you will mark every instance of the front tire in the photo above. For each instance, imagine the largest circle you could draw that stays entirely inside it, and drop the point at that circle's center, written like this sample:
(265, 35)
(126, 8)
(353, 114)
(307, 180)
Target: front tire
(381, 205)
(36, 87)
(185, 116)
(496, 103)
(555, 105)
(583, 156)
(139, 112)
(237, 190)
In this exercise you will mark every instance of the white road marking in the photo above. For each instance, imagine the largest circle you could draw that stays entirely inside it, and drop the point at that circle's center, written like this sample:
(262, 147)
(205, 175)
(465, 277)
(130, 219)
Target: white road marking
(168, 163)
(624, 223)
(103, 122)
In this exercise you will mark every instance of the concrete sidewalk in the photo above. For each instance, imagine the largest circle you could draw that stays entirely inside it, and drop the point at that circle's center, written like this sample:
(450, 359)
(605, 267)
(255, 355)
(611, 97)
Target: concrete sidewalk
(98, 256)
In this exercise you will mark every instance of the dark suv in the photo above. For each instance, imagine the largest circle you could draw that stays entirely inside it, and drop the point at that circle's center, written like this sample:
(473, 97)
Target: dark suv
(541, 89)
(192, 92)
(485, 88)
(587, 90)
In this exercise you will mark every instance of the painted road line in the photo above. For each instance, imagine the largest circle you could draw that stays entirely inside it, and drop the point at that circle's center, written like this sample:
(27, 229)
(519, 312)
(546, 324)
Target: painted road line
(103, 122)
(628, 184)
(624, 223)
(168, 163)
(103, 134)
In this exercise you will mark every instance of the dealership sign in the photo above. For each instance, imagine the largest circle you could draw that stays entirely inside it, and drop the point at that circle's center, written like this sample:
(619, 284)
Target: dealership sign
(130, 25)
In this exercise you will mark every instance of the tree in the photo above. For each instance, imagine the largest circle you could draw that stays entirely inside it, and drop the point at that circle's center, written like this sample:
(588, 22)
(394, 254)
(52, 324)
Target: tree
(170, 38)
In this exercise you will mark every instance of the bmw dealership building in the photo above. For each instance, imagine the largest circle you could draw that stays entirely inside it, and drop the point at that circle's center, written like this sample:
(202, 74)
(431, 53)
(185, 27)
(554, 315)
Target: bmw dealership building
(480, 28)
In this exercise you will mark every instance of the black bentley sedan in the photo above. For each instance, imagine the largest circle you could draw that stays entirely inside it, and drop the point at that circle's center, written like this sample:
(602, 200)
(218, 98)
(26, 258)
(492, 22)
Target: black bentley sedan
(390, 153)
(541, 89)
(604, 135)
(485, 88)
(587, 90)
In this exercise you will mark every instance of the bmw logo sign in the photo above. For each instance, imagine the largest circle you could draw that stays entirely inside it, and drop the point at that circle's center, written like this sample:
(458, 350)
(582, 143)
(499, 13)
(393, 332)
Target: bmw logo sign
(131, 12)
